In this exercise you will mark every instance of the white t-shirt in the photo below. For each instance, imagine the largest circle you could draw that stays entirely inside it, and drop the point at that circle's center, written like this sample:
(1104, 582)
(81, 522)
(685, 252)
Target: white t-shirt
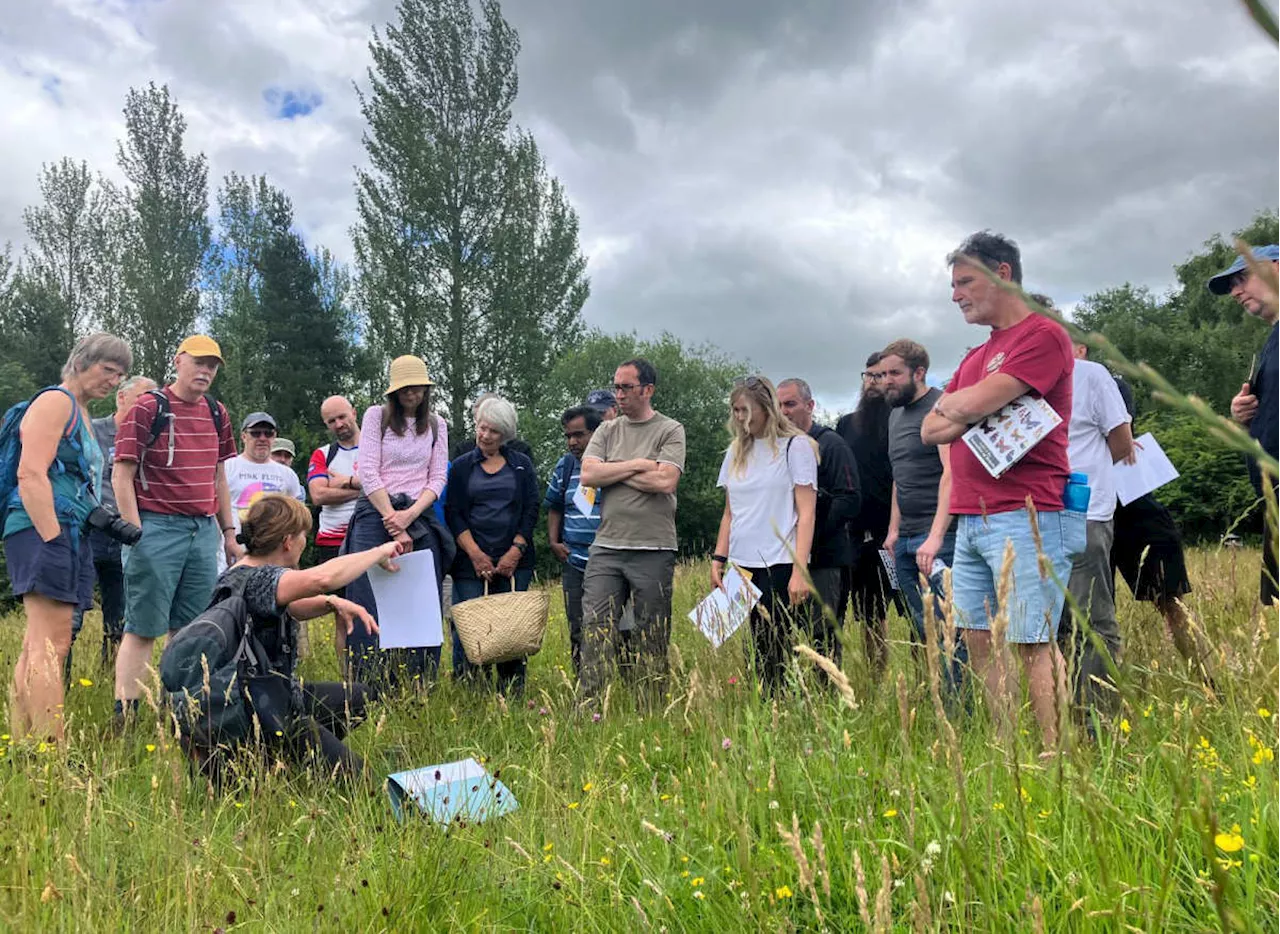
(762, 500)
(1096, 409)
(248, 481)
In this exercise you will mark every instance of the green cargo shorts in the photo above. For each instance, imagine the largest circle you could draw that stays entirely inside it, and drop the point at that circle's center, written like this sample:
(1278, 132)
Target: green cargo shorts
(170, 574)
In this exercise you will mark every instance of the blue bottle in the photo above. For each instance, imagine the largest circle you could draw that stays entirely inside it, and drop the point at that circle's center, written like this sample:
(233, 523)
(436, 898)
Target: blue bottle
(1075, 497)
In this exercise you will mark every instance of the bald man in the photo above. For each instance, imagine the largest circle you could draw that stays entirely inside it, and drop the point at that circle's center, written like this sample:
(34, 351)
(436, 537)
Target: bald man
(332, 478)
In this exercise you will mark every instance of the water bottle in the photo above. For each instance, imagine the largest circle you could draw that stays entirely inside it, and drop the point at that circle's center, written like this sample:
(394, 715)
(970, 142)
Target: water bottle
(1075, 498)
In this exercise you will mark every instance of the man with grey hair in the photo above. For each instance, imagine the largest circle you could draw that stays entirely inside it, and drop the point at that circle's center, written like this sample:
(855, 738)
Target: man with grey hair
(106, 550)
(839, 499)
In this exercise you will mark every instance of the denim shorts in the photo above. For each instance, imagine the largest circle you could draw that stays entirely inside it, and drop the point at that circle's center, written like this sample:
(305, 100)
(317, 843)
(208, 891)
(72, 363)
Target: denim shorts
(1035, 598)
(61, 570)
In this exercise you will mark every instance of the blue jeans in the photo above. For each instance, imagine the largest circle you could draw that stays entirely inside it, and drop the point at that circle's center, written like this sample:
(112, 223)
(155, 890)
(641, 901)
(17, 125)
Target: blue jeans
(510, 674)
(904, 559)
(1035, 600)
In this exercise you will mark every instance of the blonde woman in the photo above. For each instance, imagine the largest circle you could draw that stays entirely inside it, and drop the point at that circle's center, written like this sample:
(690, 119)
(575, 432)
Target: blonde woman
(770, 479)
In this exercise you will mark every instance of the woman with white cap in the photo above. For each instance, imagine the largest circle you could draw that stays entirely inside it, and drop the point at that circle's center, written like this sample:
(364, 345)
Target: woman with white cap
(403, 466)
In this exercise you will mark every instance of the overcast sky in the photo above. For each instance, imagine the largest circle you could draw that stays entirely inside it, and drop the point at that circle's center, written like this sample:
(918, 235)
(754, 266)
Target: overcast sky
(782, 179)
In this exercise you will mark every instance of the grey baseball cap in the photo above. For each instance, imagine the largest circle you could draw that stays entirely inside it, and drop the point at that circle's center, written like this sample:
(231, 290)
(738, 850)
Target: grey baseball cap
(257, 418)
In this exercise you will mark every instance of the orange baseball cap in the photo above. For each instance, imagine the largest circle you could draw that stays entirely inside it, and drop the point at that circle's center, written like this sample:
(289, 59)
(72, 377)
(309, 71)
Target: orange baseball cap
(198, 345)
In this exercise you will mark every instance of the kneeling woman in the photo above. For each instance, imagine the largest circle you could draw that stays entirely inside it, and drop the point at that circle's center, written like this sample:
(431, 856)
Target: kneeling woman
(308, 719)
(770, 480)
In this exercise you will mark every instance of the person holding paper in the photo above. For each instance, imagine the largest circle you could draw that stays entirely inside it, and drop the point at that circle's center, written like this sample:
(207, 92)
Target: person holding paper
(305, 721)
(1100, 436)
(1025, 354)
(1147, 552)
(402, 467)
(1257, 405)
(922, 530)
(770, 481)
(570, 528)
(491, 509)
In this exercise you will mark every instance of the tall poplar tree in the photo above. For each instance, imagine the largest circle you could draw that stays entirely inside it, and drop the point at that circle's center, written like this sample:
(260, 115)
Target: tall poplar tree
(162, 229)
(467, 252)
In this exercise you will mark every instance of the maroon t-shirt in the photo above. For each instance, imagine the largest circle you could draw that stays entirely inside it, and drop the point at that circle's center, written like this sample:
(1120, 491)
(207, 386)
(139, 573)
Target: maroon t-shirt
(186, 486)
(1038, 352)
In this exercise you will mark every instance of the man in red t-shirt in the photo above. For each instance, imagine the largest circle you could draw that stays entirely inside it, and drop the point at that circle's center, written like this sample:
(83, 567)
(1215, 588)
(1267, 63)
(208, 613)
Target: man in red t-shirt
(1026, 354)
(175, 488)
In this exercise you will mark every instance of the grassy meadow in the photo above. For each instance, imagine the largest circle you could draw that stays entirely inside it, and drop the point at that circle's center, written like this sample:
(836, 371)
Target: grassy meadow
(721, 813)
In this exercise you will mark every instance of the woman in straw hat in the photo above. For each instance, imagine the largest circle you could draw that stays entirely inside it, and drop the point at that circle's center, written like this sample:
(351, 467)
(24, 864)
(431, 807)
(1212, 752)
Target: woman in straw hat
(403, 465)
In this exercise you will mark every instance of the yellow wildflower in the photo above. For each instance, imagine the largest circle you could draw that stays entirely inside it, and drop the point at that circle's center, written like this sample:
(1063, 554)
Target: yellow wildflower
(1264, 713)
(588, 786)
(782, 891)
(86, 683)
(1124, 726)
(604, 861)
(151, 747)
(548, 848)
(892, 812)
(697, 881)
(573, 805)
(1230, 842)
(998, 806)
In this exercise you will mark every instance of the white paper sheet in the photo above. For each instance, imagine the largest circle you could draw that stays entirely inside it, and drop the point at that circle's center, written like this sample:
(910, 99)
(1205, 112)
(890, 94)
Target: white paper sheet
(1150, 471)
(725, 609)
(584, 497)
(408, 603)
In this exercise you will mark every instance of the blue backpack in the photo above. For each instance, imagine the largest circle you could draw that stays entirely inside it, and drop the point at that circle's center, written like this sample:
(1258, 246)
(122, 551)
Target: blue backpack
(11, 454)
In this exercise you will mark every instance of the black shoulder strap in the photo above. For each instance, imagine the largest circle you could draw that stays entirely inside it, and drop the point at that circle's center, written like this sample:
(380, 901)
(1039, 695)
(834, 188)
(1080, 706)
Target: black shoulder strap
(161, 417)
(215, 412)
(332, 453)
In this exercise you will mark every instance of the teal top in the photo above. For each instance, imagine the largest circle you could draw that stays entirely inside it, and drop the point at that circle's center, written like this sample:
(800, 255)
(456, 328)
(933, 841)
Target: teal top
(75, 474)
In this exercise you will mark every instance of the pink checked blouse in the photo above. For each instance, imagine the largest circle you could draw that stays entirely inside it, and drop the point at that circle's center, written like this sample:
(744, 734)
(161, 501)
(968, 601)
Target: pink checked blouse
(408, 464)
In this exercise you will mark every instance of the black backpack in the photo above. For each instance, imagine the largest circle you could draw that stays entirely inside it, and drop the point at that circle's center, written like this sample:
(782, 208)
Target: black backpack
(208, 665)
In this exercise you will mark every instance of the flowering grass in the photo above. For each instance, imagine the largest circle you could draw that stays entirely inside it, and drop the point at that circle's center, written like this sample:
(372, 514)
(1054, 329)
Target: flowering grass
(723, 812)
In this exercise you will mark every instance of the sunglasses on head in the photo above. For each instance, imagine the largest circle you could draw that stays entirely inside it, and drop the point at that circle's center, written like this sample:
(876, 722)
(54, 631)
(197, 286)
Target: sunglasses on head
(750, 382)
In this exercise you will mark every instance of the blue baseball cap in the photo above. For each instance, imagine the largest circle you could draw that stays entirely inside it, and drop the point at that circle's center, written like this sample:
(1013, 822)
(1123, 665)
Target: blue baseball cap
(601, 400)
(1221, 283)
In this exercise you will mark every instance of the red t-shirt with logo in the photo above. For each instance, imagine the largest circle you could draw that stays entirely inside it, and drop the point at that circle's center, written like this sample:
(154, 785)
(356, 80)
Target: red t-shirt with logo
(186, 486)
(1037, 351)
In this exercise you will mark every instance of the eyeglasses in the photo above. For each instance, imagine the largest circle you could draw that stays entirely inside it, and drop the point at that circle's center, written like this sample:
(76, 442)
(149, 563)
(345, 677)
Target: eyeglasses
(262, 432)
(628, 387)
(874, 377)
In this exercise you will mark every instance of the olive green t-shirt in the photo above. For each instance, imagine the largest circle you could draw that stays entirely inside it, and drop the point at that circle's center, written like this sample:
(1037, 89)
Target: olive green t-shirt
(628, 517)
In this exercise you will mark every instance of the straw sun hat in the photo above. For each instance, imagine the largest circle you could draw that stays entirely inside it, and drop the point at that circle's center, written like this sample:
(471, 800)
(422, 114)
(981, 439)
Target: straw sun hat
(408, 371)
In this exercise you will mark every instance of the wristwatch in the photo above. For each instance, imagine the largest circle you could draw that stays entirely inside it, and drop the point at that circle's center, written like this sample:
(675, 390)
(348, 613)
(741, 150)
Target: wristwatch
(522, 546)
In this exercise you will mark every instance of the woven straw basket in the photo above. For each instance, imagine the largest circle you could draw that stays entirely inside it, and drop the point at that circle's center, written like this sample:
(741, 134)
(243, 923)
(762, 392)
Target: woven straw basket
(501, 627)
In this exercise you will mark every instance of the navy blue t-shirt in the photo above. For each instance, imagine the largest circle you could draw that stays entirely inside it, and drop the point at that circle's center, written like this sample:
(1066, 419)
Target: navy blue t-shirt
(1264, 427)
(493, 497)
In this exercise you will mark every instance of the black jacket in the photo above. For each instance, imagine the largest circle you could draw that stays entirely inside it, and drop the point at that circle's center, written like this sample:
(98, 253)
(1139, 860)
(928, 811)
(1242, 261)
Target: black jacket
(875, 474)
(457, 505)
(838, 500)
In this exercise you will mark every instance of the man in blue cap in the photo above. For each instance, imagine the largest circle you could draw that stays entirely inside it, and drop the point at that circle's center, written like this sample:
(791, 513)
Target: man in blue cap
(1257, 405)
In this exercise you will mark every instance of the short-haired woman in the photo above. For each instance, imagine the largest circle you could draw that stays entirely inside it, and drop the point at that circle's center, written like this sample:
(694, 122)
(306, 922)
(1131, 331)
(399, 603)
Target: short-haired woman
(46, 542)
(403, 465)
(770, 479)
(491, 508)
(311, 719)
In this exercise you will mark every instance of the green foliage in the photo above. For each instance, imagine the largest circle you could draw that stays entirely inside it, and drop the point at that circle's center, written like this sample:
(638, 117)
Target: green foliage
(693, 388)
(1212, 494)
(162, 231)
(467, 251)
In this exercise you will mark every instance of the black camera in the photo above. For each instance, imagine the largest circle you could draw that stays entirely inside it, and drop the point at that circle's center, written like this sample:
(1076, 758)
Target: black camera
(111, 525)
